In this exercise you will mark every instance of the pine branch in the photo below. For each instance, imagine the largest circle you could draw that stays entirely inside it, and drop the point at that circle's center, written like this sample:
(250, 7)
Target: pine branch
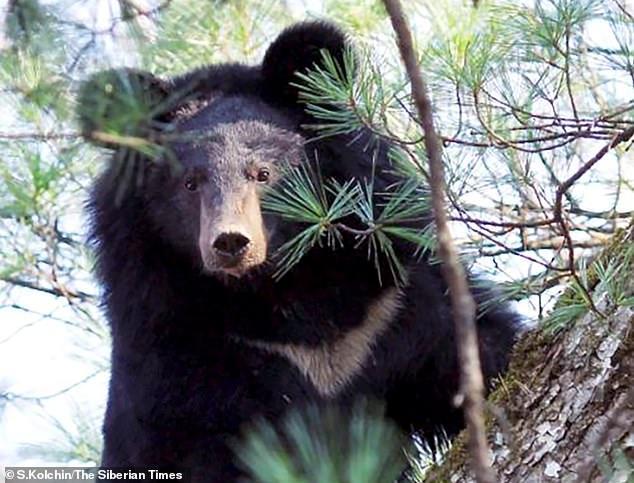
(472, 385)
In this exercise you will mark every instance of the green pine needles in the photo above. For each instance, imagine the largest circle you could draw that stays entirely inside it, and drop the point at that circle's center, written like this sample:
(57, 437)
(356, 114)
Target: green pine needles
(345, 96)
(328, 208)
(304, 197)
(325, 446)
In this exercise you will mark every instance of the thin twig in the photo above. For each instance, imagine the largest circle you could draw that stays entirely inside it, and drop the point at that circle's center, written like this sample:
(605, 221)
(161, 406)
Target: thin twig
(9, 396)
(39, 136)
(623, 10)
(624, 136)
(472, 385)
(56, 291)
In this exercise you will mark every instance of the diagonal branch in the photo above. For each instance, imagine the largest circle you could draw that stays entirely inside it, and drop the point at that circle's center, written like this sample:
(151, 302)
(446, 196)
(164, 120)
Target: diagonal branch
(472, 385)
(558, 216)
(56, 291)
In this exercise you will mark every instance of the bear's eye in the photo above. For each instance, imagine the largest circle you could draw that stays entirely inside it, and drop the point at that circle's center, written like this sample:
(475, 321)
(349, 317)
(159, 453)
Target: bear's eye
(263, 175)
(191, 184)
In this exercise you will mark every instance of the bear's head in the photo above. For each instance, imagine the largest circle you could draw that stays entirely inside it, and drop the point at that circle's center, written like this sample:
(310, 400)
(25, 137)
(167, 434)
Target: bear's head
(228, 132)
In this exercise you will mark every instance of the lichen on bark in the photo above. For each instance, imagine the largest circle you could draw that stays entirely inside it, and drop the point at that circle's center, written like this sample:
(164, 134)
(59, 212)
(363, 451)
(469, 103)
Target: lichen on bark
(565, 409)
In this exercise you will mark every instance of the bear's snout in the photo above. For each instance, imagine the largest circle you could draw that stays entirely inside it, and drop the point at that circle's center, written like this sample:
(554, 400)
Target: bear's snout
(231, 246)
(232, 236)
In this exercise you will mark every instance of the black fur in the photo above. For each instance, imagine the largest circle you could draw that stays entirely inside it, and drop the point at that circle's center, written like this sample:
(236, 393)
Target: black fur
(184, 382)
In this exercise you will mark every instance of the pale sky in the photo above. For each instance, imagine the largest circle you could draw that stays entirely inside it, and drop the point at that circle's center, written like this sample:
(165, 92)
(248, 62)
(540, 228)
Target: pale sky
(40, 357)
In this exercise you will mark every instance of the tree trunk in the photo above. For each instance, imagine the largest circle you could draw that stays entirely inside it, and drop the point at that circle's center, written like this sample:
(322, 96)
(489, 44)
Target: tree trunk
(565, 410)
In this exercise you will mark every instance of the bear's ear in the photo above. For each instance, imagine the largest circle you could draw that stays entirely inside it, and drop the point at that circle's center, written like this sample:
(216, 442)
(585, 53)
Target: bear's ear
(120, 103)
(297, 50)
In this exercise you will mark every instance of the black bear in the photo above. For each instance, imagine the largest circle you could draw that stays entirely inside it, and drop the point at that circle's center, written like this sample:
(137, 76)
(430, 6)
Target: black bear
(205, 339)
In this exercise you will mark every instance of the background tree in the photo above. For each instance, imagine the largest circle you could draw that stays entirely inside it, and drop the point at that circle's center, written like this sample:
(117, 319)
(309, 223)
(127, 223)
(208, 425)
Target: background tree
(533, 102)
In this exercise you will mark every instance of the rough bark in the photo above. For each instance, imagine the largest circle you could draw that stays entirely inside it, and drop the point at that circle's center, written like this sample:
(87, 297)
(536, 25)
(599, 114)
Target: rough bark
(565, 410)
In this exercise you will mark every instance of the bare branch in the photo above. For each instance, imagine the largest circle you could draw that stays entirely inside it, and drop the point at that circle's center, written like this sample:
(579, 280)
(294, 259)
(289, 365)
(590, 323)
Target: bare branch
(472, 386)
(56, 291)
(9, 396)
(39, 136)
(624, 136)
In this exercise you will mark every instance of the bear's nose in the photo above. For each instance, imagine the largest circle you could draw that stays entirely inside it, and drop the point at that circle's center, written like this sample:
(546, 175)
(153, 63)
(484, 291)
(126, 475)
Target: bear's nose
(231, 244)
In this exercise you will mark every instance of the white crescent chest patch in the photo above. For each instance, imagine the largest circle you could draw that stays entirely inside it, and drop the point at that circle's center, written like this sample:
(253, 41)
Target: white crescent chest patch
(331, 366)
